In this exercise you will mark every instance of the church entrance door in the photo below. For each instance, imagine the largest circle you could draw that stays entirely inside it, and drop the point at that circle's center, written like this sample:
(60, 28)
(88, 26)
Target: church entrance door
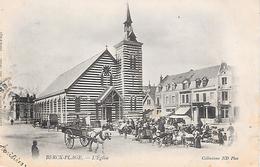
(109, 114)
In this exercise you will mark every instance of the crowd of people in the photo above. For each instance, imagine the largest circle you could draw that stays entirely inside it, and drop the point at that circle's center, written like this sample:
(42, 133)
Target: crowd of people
(169, 131)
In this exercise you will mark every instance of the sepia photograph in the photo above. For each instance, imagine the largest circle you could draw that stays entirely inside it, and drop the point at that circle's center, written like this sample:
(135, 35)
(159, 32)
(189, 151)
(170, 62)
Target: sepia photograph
(129, 83)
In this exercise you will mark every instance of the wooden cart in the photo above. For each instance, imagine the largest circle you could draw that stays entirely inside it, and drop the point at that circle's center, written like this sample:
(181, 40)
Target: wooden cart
(72, 132)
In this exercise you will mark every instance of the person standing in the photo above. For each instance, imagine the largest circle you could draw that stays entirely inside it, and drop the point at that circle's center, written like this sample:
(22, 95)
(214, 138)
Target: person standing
(231, 131)
(220, 137)
(12, 121)
(35, 150)
(197, 139)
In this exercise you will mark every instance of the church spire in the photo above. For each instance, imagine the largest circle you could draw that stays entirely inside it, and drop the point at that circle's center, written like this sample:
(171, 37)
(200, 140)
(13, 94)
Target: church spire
(128, 16)
(128, 29)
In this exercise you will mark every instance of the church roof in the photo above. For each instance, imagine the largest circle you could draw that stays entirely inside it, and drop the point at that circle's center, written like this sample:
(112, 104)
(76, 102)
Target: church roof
(104, 95)
(152, 92)
(192, 75)
(65, 80)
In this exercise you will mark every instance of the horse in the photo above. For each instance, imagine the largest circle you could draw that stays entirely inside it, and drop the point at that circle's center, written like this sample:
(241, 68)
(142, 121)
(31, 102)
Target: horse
(99, 138)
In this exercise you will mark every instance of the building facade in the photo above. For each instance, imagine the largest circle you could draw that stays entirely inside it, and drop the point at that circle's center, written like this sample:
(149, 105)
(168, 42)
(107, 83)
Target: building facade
(205, 95)
(104, 87)
(22, 107)
(149, 103)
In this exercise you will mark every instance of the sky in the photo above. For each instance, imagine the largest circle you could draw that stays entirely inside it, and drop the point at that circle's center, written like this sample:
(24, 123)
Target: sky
(43, 39)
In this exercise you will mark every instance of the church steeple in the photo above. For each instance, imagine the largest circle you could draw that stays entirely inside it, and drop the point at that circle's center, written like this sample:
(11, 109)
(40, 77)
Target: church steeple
(128, 29)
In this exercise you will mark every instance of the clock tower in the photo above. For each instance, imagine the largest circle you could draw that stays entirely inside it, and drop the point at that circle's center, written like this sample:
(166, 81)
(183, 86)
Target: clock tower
(129, 57)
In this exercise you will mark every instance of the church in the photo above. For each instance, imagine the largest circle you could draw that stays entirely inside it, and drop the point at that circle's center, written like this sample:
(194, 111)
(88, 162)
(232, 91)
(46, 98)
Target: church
(104, 87)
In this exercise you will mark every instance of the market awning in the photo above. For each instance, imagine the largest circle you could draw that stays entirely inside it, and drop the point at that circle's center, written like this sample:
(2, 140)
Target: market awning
(164, 114)
(180, 116)
(182, 110)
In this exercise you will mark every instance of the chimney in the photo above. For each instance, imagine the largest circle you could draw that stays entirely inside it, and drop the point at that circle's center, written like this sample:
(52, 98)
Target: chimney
(161, 78)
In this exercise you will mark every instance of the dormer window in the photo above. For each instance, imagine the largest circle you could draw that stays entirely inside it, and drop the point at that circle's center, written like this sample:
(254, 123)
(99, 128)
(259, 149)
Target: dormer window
(159, 88)
(204, 81)
(185, 84)
(168, 87)
(198, 82)
(174, 85)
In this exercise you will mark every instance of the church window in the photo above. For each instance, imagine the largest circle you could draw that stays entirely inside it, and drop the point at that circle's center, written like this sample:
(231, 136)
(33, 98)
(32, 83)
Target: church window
(132, 62)
(111, 80)
(101, 79)
(106, 70)
(135, 100)
(77, 104)
(106, 73)
(131, 103)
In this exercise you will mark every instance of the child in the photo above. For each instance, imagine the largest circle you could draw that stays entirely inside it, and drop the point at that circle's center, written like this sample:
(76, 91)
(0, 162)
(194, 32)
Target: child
(35, 150)
(12, 121)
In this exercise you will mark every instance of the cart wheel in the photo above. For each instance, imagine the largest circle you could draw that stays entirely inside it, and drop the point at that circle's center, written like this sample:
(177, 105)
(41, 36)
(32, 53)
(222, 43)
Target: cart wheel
(84, 141)
(69, 139)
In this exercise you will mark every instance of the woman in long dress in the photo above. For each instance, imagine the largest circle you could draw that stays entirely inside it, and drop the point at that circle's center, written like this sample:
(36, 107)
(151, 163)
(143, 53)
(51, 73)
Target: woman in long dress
(197, 139)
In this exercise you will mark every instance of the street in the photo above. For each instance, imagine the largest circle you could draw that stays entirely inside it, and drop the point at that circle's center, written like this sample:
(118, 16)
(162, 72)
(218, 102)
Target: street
(19, 138)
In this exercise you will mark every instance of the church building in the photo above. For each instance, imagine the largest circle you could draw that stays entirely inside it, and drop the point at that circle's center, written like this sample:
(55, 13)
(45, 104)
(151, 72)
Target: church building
(104, 87)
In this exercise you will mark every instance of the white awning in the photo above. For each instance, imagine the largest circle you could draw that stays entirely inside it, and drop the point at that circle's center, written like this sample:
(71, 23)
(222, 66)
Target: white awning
(182, 110)
(180, 116)
(164, 114)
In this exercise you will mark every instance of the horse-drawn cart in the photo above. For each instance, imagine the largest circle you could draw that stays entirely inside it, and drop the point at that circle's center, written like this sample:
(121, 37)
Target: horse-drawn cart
(72, 132)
